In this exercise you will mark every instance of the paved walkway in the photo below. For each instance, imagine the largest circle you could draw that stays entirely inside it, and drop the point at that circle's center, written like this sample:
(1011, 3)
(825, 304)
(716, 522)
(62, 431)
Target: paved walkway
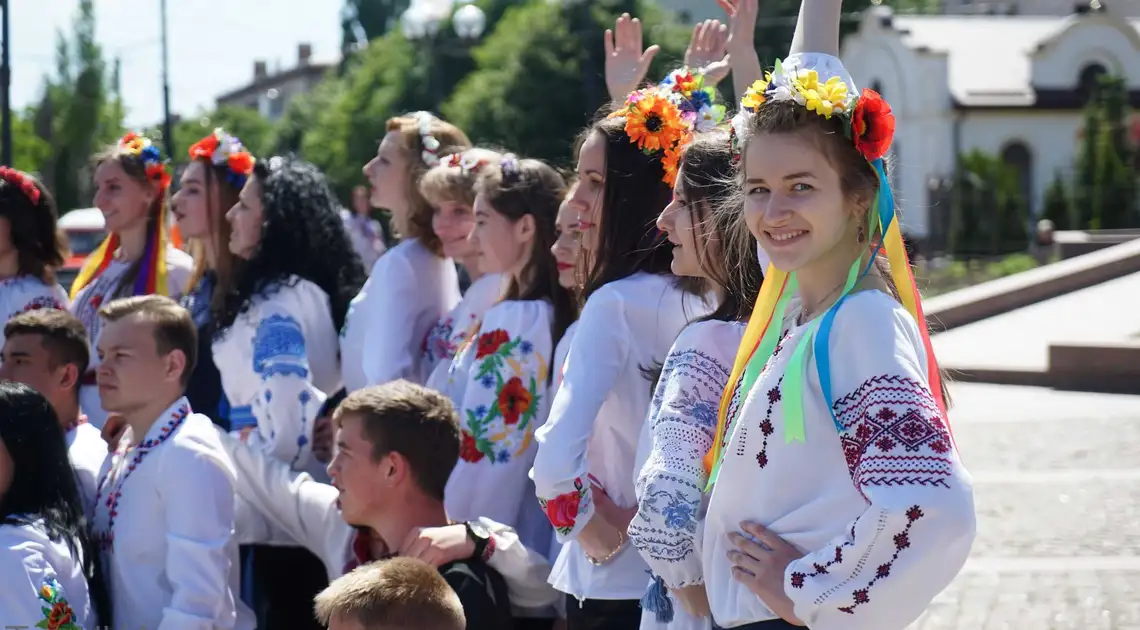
(1019, 340)
(1057, 490)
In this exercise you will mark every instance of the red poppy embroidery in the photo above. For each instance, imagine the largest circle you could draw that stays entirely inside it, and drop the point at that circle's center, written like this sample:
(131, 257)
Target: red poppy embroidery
(469, 448)
(563, 509)
(60, 616)
(489, 342)
(514, 400)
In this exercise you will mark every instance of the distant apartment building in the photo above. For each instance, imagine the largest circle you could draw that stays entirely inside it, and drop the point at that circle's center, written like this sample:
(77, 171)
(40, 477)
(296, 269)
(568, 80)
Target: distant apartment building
(270, 92)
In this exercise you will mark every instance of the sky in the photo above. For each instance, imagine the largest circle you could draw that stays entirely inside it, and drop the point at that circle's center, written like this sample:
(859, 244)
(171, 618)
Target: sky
(212, 44)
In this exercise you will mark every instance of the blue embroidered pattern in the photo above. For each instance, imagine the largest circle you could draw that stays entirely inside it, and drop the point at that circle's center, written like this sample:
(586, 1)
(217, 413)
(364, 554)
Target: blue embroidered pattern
(279, 348)
(682, 415)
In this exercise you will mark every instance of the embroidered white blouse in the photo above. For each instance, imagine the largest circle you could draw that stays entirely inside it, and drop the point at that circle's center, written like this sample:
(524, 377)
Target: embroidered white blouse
(20, 294)
(101, 289)
(682, 419)
(87, 451)
(164, 519)
(498, 385)
(408, 291)
(595, 423)
(43, 581)
(877, 496)
(306, 511)
(278, 363)
(454, 329)
(559, 367)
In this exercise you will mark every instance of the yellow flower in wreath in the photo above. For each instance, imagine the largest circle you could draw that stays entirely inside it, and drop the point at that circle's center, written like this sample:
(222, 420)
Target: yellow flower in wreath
(827, 98)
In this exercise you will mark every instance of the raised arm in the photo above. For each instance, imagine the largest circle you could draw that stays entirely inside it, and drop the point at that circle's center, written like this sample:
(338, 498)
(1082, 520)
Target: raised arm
(817, 28)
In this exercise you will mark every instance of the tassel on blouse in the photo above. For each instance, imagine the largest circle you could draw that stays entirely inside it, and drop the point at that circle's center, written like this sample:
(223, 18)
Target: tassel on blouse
(657, 601)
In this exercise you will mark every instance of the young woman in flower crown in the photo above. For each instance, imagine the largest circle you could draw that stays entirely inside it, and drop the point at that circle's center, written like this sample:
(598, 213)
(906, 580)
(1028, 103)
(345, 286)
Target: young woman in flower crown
(414, 284)
(31, 248)
(634, 308)
(450, 189)
(702, 224)
(137, 257)
(833, 447)
(50, 567)
(219, 167)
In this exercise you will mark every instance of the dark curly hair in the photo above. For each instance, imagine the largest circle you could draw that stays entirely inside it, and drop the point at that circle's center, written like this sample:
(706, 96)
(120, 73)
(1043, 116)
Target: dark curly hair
(301, 236)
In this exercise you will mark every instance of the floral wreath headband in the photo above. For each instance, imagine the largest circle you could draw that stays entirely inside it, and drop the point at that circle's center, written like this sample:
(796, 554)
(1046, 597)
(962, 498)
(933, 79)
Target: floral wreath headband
(430, 154)
(147, 152)
(664, 117)
(822, 85)
(23, 182)
(222, 149)
(465, 162)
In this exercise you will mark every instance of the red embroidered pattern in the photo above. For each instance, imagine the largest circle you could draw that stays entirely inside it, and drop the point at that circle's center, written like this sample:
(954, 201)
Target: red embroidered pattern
(818, 569)
(902, 541)
(894, 434)
(106, 539)
(766, 426)
(43, 302)
(563, 509)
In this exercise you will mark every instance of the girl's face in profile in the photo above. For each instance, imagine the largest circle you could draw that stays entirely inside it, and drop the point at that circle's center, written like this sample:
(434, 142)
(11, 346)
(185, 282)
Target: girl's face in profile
(586, 198)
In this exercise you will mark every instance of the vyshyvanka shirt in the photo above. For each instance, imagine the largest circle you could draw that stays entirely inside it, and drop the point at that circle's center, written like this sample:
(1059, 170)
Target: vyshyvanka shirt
(278, 363)
(43, 582)
(498, 386)
(453, 330)
(87, 451)
(20, 294)
(408, 291)
(101, 290)
(283, 503)
(876, 495)
(164, 520)
(682, 420)
(594, 428)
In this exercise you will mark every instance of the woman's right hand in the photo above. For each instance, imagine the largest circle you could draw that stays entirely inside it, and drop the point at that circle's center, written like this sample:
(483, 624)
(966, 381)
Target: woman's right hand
(626, 63)
(741, 26)
(693, 599)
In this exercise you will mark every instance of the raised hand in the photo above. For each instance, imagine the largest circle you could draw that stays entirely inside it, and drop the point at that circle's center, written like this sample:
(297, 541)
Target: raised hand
(706, 50)
(741, 25)
(626, 62)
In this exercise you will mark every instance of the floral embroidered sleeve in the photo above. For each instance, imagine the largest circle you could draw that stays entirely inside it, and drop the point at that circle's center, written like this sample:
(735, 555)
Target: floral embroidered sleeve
(289, 402)
(32, 596)
(503, 402)
(682, 419)
(595, 361)
(919, 523)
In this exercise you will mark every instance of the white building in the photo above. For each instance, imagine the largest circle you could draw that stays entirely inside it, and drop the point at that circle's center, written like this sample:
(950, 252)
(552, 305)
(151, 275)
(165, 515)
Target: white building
(1008, 85)
(270, 92)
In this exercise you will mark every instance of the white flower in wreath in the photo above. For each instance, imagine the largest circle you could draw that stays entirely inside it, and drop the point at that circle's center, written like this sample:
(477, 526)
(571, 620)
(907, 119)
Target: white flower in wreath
(468, 163)
(429, 158)
(430, 143)
(706, 119)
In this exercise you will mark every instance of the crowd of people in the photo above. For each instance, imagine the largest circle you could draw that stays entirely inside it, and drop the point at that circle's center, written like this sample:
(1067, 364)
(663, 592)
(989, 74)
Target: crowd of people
(689, 386)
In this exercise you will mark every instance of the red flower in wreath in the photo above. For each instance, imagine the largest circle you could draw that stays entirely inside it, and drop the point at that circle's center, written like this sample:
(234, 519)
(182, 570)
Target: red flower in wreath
(563, 509)
(490, 342)
(514, 400)
(204, 148)
(241, 163)
(468, 449)
(872, 125)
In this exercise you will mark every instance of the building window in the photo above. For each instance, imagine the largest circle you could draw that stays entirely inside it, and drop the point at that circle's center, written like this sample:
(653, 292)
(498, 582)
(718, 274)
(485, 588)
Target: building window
(1016, 154)
(1087, 81)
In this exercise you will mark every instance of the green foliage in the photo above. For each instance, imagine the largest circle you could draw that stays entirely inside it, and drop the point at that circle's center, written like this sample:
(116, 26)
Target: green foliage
(1105, 187)
(29, 151)
(1057, 207)
(989, 211)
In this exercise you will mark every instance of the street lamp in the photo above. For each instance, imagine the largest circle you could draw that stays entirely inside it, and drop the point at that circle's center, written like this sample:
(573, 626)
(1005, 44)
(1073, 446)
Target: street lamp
(421, 22)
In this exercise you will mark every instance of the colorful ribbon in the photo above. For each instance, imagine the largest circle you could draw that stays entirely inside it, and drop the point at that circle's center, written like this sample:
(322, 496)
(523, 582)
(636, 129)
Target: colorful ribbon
(152, 276)
(760, 336)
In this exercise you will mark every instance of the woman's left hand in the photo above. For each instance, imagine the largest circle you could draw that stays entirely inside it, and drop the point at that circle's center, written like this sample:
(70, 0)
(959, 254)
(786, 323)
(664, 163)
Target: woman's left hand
(760, 566)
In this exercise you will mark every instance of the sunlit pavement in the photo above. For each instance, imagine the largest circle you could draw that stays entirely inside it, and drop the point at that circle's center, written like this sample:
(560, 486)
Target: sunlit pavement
(1057, 486)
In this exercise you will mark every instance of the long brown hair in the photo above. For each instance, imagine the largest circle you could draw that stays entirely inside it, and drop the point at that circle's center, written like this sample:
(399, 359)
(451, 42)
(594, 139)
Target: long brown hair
(221, 195)
(134, 167)
(40, 247)
(451, 140)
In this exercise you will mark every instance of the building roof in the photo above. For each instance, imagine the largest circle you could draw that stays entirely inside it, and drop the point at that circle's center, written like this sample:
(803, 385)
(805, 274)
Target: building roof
(989, 57)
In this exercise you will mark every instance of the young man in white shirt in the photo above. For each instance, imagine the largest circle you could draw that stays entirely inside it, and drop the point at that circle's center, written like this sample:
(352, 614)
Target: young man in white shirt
(396, 446)
(391, 594)
(47, 350)
(164, 511)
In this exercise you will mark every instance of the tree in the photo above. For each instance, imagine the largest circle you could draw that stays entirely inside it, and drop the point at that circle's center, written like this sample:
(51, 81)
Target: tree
(1057, 207)
(1105, 189)
(74, 116)
(539, 76)
(29, 150)
(989, 211)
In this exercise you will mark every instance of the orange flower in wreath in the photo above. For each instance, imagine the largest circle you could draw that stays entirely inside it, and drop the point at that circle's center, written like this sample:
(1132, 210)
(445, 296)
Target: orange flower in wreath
(669, 163)
(653, 123)
(204, 148)
(241, 163)
(872, 125)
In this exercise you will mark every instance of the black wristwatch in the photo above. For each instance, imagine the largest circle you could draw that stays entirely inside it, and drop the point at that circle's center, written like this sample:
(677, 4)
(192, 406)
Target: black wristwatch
(481, 536)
